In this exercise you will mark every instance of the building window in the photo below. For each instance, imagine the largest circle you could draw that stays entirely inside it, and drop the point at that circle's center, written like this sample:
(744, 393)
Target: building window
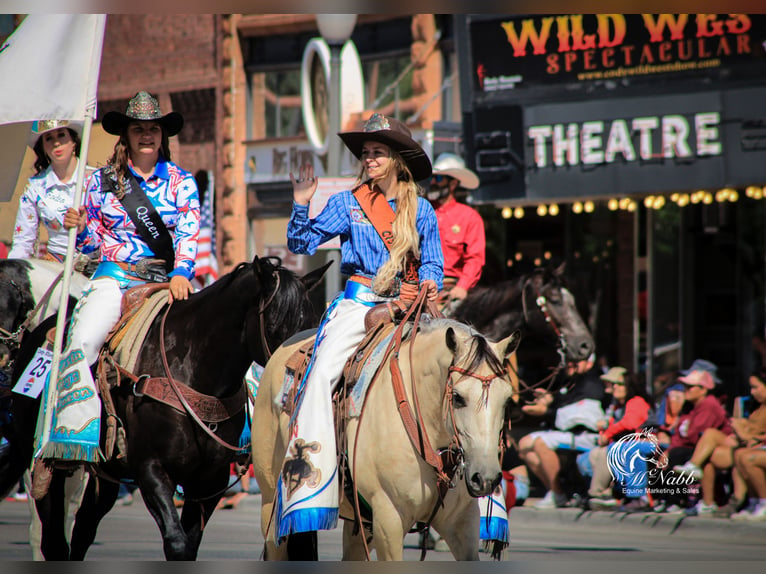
(282, 96)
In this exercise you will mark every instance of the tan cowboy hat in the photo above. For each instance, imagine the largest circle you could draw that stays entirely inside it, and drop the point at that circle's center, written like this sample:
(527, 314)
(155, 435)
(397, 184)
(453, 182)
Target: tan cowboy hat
(42, 126)
(142, 107)
(454, 166)
(395, 135)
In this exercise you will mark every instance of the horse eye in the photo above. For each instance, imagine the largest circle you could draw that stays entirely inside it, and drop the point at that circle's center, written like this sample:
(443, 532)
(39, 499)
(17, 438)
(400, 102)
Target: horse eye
(458, 401)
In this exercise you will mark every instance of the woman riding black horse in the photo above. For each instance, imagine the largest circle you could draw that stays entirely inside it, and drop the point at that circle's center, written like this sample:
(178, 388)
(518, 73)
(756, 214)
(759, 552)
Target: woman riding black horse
(205, 345)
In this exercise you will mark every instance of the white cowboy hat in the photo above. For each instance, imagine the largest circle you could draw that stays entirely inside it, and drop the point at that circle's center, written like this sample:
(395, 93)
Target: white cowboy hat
(454, 166)
(42, 126)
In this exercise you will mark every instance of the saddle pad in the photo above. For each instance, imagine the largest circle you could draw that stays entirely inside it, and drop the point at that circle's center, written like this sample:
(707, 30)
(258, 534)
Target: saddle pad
(126, 342)
(359, 391)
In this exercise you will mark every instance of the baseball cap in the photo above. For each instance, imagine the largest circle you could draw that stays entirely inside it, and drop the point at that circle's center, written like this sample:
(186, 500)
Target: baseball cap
(615, 375)
(703, 365)
(701, 378)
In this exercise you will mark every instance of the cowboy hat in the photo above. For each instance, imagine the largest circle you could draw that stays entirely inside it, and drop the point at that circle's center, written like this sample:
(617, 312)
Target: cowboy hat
(454, 166)
(142, 107)
(42, 126)
(397, 136)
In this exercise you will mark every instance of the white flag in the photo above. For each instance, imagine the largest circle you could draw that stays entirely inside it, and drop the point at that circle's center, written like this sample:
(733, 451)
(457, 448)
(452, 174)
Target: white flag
(49, 68)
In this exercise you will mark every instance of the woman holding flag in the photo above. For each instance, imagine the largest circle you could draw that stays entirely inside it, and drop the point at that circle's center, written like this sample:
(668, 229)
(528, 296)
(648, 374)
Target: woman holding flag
(50, 191)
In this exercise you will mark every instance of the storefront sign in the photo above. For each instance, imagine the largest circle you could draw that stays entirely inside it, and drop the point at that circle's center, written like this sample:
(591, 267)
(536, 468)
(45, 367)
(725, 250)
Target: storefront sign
(626, 140)
(625, 146)
(549, 50)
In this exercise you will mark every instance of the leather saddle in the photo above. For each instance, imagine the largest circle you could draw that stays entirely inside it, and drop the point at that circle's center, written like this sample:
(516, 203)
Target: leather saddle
(378, 322)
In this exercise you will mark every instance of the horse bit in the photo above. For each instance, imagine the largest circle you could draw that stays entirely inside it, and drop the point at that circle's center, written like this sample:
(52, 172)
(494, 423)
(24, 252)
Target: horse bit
(542, 304)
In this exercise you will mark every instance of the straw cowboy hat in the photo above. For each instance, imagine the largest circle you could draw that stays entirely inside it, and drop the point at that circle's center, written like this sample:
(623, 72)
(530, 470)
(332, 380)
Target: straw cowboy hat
(43, 126)
(454, 166)
(395, 135)
(142, 107)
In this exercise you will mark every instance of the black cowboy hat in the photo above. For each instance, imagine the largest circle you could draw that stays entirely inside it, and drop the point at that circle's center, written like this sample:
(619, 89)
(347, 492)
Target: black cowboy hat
(142, 107)
(395, 135)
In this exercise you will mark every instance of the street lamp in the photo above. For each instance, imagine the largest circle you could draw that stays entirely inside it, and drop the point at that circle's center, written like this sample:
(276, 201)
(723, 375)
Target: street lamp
(336, 29)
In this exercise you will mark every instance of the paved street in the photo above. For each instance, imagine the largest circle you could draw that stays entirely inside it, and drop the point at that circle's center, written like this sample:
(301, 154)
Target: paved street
(129, 534)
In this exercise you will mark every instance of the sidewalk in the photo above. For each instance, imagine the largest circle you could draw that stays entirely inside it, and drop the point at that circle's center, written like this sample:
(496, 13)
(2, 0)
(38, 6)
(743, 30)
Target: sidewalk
(674, 525)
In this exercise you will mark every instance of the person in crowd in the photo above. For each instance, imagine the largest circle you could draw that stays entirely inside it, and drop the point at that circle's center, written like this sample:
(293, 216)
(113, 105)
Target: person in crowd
(390, 248)
(576, 409)
(50, 191)
(627, 412)
(702, 411)
(715, 451)
(142, 212)
(751, 465)
(461, 228)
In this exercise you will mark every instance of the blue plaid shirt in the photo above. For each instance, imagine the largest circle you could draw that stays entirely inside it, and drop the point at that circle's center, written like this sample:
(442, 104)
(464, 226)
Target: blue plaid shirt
(362, 250)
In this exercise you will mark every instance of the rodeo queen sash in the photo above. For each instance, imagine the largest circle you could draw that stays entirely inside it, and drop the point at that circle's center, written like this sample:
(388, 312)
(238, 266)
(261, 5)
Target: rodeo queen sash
(149, 224)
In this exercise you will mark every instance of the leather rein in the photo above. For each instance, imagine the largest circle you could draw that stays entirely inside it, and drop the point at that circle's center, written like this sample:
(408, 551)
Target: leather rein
(181, 390)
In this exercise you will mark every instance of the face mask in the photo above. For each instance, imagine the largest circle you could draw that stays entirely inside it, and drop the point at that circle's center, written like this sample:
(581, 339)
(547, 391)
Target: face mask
(436, 193)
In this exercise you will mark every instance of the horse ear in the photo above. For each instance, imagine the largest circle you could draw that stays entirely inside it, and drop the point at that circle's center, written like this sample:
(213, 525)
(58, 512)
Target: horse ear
(451, 339)
(313, 278)
(509, 345)
(559, 271)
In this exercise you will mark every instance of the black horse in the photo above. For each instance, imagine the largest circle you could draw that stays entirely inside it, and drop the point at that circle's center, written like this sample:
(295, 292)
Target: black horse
(538, 304)
(210, 340)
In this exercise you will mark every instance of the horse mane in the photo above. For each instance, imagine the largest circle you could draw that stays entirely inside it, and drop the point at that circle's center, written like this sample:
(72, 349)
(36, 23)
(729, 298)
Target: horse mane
(480, 350)
(286, 313)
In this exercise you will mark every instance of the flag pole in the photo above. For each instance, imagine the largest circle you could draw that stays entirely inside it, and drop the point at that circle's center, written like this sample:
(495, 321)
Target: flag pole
(50, 398)
(90, 113)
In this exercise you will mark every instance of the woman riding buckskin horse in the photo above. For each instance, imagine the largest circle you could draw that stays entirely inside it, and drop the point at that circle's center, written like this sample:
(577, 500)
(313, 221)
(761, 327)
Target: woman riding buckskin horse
(383, 260)
(140, 207)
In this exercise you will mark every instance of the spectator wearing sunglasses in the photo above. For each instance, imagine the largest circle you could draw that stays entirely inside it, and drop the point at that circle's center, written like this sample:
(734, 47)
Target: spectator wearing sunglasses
(461, 228)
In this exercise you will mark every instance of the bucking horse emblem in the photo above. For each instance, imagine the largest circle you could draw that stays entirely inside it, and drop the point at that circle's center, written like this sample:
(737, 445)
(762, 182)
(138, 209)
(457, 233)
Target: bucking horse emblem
(298, 470)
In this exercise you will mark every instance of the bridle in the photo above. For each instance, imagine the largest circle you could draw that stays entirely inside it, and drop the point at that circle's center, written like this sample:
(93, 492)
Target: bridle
(541, 302)
(12, 339)
(262, 306)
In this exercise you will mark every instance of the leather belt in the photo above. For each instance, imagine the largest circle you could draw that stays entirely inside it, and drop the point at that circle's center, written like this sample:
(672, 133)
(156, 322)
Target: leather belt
(366, 281)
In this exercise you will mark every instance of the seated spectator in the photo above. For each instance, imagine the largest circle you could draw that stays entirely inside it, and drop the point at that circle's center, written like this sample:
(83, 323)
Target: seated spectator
(715, 451)
(627, 413)
(751, 465)
(577, 409)
(705, 411)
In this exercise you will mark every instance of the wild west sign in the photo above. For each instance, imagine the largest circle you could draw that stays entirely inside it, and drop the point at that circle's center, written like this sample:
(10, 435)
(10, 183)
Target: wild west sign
(519, 52)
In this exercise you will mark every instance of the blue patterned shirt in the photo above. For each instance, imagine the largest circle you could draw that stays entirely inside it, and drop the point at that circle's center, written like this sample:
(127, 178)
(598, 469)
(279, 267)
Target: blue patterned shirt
(362, 250)
(173, 193)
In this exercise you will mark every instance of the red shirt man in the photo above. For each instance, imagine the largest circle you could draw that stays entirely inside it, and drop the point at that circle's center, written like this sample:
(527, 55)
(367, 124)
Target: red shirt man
(461, 228)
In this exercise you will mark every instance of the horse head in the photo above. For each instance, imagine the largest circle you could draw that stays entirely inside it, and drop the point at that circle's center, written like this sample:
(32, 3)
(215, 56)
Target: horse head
(476, 393)
(551, 312)
(284, 308)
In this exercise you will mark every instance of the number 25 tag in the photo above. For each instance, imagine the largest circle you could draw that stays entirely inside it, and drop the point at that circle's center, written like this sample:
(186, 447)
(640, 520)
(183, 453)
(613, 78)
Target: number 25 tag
(34, 376)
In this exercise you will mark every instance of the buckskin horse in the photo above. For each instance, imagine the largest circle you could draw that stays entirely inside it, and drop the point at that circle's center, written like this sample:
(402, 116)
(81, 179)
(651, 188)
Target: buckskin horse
(205, 343)
(457, 381)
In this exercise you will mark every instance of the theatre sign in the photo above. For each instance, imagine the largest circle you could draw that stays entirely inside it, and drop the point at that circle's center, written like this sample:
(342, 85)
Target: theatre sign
(588, 105)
